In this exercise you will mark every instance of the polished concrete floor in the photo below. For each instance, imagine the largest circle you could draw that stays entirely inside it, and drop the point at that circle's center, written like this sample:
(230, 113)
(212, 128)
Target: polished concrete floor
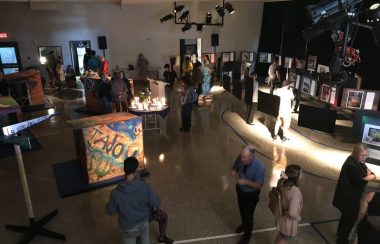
(190, 172)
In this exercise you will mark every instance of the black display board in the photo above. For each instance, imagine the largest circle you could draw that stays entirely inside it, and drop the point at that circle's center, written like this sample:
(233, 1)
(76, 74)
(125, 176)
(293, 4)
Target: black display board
(317, 118)
(268, 103)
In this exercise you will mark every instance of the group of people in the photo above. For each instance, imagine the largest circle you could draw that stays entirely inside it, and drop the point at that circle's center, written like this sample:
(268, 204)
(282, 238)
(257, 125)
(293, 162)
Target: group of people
(115, 92)
(137, 205)
(95, 63)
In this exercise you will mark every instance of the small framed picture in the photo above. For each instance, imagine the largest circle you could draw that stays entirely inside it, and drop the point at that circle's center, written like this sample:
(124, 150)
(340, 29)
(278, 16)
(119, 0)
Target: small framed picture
(312, 63)
(210, 57)
(288, 62)
(263, 57)
(325, 93)
(354, 99)
(300, 64)
(323, 69)
(306, 85)
(371, 135)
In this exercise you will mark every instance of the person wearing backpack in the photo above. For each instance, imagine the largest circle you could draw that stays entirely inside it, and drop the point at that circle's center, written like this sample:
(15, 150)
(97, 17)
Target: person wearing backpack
(291, 204)
(189, 97)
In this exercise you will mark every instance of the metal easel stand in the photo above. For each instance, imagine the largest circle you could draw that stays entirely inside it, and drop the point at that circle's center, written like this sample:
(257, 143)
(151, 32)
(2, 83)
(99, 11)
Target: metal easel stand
(35, 228)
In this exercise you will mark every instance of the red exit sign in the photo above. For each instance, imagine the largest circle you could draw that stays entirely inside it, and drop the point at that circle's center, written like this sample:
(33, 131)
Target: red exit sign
(3, 35)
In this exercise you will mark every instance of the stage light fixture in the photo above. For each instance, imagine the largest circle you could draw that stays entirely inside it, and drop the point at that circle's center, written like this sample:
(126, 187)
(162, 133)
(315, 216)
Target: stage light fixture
(186, 27)
(199, 27)
(208, 18)
(325, 9)
(374, 5)
(178, 8)
(219, 10)
(167, 17)
(184, 15)
(229, 7)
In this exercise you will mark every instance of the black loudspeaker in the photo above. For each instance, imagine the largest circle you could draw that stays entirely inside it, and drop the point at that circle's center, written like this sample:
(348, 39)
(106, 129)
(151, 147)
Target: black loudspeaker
(214, 40)
(102, 42)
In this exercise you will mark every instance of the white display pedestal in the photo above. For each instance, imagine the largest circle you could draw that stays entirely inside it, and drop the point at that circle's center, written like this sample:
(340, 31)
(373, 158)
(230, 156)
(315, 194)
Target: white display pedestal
(157, 88)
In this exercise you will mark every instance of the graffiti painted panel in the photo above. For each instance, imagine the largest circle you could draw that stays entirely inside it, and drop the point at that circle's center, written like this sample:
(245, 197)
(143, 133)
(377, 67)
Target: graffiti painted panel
(107, 146)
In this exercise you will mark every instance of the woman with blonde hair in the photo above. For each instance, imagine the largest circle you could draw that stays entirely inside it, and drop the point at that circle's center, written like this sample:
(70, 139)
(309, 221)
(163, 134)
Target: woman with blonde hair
(352, 182)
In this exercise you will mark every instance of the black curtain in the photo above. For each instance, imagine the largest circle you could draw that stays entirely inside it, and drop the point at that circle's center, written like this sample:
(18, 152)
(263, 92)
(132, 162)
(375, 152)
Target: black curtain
(281, 33)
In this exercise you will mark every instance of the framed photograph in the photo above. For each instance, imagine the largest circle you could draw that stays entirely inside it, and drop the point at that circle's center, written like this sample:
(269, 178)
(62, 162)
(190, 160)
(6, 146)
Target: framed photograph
(306, 87)
(48, 52)
(288, 62)
(313, 87)
(263, 57)
(354, 99)
(248, 56)
(270, 58)
(226, 56)
(292, 75)
(371, 135)
(323, 69)
(325, 93)
(312, 63)
(300, 64)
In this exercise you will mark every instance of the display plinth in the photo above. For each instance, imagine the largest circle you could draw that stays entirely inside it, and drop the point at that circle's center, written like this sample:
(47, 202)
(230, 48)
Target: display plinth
(32, 80)
(104, 142)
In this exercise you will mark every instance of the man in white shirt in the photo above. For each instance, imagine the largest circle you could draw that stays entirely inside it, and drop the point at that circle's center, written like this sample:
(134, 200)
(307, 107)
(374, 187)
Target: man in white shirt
(285, 111)
(273, 74)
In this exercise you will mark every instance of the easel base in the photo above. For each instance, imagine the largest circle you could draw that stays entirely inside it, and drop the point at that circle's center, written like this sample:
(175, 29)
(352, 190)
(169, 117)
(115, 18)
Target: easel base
(36, 229)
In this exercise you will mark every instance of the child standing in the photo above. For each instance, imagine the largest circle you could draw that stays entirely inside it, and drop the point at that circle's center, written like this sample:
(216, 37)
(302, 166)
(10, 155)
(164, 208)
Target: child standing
(189, 96)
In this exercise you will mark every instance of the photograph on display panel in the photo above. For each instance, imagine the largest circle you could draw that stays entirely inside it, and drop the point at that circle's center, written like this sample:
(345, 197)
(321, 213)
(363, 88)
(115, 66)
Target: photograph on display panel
(323, 69)
(209, 56)
(226, 57)
(245, 57)
(263, 57)
(325, 93)
(312, 63)
(288, 62)
(371, 135)
(354, 99)
(306, 85)
(292, 75)
(300, 64)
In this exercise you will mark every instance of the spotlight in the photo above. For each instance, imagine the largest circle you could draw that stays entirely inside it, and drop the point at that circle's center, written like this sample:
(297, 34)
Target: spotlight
(167, 17)
(199, 27)
(219, 10)
(186, 27)
(178, 8)
(183, 15)
(327, 8)
(229, 7)
(208, 18)
(375, 5)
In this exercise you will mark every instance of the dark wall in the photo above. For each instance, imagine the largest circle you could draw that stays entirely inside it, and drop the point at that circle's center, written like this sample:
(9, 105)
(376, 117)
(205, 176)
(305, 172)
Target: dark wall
(281, 33)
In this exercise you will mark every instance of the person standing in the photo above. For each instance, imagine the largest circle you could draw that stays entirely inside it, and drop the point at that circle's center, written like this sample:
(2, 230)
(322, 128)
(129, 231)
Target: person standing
(187, 67)
(142, 66)
(93, 63)
(252, 96)
(284, 117)
(291, 203)
(103, 68)
(197, 78)
(352, 181)
(206, 84)
(130, 93)
(189, 97)
(104, 94)
(132, 200)
(250, 172)
(170, 77)
(86, 58)
(274, 77)
(119, 92)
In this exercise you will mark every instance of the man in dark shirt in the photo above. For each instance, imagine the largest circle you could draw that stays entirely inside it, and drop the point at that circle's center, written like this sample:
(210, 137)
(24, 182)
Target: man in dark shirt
(170, 77)
(104, 94)
(250, 173)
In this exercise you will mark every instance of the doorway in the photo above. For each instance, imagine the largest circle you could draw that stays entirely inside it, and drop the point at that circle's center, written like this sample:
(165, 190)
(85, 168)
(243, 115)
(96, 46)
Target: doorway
(190, 48)
(78, 50)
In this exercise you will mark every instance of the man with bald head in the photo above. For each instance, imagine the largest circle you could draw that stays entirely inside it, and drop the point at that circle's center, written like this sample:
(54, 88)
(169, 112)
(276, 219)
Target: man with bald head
(250, 173)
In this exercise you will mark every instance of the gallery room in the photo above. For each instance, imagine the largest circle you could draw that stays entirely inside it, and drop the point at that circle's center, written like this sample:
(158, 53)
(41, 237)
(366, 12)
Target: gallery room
(204, 121)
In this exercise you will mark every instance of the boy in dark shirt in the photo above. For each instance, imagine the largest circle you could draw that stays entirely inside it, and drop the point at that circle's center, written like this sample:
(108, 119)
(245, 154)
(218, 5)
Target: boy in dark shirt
(104, 94)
